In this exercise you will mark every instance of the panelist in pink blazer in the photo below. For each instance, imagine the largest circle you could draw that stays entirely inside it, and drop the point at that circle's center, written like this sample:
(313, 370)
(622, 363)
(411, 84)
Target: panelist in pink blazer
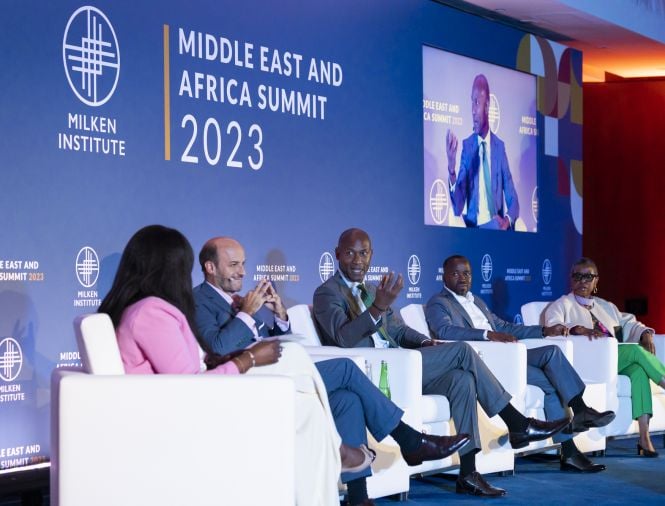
(152, 308)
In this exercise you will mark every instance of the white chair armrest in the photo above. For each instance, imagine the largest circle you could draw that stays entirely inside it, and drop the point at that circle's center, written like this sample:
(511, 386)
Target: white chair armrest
(507, 361)
(404, 373)
(596, 361)
(565, 344)
(114, 438)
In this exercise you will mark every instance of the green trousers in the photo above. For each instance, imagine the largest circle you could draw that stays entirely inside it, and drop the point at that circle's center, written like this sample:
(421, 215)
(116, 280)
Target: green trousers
(640, 366)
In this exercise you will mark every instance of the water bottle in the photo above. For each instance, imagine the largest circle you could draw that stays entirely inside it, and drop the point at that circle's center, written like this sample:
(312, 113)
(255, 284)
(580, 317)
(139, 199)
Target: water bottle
(384, 386)
(368, 370)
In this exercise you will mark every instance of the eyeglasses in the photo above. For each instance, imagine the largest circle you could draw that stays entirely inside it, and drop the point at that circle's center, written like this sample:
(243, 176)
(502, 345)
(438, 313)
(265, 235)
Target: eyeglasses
(579, 276)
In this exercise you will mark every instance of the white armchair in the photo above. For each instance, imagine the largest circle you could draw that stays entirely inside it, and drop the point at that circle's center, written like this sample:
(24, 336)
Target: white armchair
(166, 439)
(390, 474)
(508, 364)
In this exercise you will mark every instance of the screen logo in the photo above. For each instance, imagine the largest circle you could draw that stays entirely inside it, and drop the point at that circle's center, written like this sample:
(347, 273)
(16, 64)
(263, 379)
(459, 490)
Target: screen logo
(87, 266)
(413, 269)
(11, 359)
(547, 271)
(91, 56)
(438, 201)
(494, 114)
(534, 204)
(486, 267)
(326, 266)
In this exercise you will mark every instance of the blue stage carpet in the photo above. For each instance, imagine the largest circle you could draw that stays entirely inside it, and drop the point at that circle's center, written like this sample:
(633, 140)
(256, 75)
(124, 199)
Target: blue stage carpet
(538, 480)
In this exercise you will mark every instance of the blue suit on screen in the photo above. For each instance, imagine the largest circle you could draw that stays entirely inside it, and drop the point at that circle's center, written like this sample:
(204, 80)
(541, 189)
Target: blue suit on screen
(466, 187)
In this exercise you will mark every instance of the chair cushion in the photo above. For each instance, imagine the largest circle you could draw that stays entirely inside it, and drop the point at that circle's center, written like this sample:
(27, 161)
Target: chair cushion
(535, 398)
(435, 408)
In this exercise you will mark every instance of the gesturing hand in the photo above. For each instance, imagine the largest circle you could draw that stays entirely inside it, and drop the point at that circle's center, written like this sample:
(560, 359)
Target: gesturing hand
(274, 303)
(388, 290)
(500, 337)
(254, 299)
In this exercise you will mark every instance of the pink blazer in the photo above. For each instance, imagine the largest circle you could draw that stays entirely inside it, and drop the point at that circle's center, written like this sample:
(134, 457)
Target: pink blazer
(155, 338)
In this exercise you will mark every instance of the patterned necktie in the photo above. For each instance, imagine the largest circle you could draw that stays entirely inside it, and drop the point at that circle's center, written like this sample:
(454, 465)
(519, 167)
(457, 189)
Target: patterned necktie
(365, 296)
(237, 303)
(488, 179)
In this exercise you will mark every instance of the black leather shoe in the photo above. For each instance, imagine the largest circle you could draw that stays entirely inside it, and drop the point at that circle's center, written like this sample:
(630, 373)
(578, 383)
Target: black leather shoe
(587, 419)
(435, 447)
(536, 430)
(474, 484)
(580, 463)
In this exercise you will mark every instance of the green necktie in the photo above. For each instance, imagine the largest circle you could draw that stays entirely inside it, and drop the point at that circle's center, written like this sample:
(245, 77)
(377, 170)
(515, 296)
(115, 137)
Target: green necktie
(367, 299)
(365, 296)
(488, 179)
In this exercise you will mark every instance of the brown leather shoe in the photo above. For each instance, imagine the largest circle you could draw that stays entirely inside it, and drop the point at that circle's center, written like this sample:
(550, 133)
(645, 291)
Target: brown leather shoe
(474, 484)
(355, 459)
(435, 447)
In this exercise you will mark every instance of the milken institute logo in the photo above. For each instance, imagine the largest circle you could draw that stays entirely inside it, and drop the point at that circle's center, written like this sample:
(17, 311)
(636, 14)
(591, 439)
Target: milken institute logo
(326, 266)
(87, 266)
(91, 56)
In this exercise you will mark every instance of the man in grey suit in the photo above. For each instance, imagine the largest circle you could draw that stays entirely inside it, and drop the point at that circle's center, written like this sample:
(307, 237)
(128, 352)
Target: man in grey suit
(352, 314)
(456, 314)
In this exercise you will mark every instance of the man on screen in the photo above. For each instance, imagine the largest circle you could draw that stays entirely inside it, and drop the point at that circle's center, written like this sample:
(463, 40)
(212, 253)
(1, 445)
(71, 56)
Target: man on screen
(484, 177)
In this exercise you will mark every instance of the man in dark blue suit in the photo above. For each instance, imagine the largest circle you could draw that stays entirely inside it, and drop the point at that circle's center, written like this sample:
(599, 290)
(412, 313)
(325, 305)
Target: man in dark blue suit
(228, 322)
(484, 176)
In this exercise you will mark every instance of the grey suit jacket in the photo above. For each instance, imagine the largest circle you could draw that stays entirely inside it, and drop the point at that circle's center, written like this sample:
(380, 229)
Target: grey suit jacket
(447, 319)
(341, 323)
(218, 326)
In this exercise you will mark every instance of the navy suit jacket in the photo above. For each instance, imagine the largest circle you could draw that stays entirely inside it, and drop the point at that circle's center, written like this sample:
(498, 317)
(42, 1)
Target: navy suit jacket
(466, 187)
(448, 320)
(341, 323)
(219, 327)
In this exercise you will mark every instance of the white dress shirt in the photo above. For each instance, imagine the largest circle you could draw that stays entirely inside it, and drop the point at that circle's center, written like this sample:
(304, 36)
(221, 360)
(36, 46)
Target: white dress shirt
(379, 342)
(478, 318)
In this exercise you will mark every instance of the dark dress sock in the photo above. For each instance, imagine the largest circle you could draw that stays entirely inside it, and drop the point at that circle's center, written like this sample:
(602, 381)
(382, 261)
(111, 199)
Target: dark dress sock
(515, 420)
(568, 449)
(357, 491)
(406, 436)
(467, 464)
(577, 404)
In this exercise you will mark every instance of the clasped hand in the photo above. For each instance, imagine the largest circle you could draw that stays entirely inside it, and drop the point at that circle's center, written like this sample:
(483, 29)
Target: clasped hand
(263, 294)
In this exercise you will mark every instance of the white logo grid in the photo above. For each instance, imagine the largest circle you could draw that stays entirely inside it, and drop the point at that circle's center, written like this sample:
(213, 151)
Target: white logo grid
(326, 266)
(438, 201)
(413, 269)
(547, 271)
(486, 267)
(11, 359)
(90, 53)
(87, 266)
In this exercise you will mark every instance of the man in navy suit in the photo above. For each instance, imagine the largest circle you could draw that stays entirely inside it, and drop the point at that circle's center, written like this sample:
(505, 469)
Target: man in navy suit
(455, 314)
(228, 322)
(484, 176)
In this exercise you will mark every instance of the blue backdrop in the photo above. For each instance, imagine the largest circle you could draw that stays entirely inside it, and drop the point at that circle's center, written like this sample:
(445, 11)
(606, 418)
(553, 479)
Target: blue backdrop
(92, 148)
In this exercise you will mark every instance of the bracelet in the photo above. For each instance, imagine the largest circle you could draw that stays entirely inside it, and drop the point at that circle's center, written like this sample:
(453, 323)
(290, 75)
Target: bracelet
(239, 365)
(378, 308)
(251, 355)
